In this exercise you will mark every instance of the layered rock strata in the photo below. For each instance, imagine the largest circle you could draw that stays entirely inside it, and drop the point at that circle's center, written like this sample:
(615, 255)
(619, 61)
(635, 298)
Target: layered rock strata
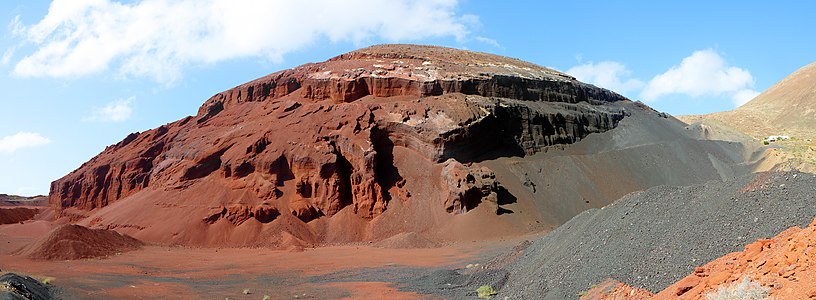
(311, 141)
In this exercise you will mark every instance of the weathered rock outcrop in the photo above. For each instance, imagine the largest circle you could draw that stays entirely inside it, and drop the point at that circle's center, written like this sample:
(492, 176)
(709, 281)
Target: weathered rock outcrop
(468, 186)
(352, 134)
(410, 70)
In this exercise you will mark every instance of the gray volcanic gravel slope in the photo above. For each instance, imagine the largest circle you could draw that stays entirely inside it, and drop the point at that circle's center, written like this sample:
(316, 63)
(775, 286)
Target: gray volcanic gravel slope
(653, 238)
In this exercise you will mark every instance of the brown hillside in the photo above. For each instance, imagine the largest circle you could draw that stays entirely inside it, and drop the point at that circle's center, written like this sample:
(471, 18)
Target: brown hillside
(788, 107)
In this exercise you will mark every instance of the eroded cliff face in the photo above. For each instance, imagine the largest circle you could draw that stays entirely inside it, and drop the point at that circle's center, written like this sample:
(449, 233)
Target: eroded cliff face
(308, 143)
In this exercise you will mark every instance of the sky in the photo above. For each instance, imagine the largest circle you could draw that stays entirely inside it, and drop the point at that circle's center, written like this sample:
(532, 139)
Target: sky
(79, 75)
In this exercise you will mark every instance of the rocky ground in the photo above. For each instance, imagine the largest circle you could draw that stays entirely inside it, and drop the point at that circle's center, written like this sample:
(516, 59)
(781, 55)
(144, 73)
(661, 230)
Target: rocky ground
(652, 239)
(14, 286)
(649, 239)
(331, 272)
(783, 264)
(780, 267)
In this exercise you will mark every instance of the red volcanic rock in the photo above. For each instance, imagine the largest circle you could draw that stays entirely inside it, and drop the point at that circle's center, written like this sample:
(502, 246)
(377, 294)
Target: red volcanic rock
(343, 137)
(412, 70)
(237, 214)
(303, 210)
(77, 242)
(468, 186)
(611, 289)
(783, 264)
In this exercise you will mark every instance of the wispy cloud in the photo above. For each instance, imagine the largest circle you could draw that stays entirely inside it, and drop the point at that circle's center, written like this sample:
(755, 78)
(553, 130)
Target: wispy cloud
(115, 111)
(702, 73)
(159, 38)
(15, 26)
(488, 41)
(22, 140)
(607, 74)
(4, 60)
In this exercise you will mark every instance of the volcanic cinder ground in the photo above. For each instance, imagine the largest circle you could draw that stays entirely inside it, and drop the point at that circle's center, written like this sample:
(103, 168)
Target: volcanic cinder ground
(401, 171)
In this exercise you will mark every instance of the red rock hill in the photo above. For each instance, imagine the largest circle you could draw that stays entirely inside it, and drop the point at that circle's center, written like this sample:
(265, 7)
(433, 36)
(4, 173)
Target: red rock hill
(369, 144)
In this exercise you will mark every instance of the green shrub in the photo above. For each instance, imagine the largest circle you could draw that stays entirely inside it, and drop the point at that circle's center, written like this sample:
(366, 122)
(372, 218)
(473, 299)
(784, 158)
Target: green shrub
(486, 292)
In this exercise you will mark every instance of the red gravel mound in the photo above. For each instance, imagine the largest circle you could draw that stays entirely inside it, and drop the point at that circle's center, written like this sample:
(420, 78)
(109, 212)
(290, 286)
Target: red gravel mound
(77, 242)
(17, 214)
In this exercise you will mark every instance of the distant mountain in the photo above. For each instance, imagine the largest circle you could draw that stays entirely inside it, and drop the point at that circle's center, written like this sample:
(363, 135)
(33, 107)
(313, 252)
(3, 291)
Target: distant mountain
(14, 200)
(788, 107)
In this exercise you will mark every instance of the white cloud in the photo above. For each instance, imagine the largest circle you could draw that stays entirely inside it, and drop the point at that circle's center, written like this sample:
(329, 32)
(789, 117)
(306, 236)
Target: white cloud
(116, 111)
(607, 74)
(7, 56)
(488, 41)
(705, 72)
(22, 140)
(158, 38)
(15, 26)
(743, 96)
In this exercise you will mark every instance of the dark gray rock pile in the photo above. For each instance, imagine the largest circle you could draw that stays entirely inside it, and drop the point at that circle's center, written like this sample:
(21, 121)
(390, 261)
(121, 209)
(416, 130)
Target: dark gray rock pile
(653, 238)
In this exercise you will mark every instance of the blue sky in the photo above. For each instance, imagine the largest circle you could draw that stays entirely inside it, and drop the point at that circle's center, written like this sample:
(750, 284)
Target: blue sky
(78, 75)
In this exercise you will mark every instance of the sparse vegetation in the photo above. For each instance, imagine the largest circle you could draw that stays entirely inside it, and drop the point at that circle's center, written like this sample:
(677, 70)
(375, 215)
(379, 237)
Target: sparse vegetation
(743, 290)
(486, 292)
(267, 297)
(585, 292)
(246, 292)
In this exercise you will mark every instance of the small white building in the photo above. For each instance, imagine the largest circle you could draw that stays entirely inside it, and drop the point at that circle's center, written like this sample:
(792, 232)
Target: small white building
(775, 138)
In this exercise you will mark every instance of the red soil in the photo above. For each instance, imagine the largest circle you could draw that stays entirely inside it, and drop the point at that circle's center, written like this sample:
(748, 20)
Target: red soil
(17, 214)
(77, 242)
(785, 263)
(194, 273)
